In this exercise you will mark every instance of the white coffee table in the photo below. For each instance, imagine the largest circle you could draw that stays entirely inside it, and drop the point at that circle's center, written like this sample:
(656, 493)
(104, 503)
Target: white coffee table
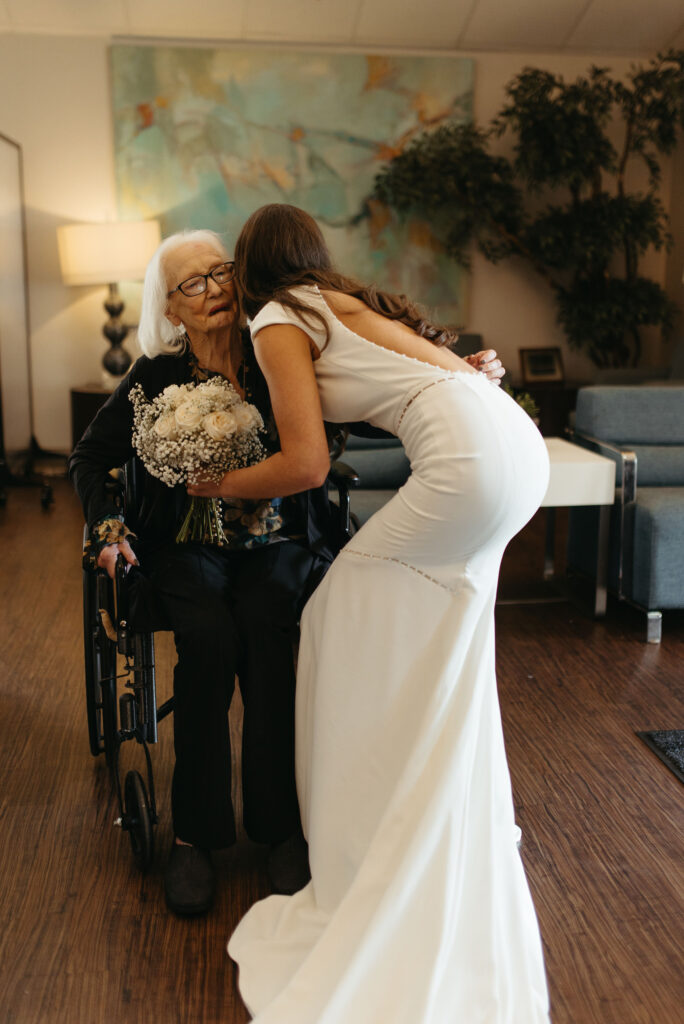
(579, 477)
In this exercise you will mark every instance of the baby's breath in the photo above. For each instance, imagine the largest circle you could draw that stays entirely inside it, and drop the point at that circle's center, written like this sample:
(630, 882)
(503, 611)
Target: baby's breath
(170, 435)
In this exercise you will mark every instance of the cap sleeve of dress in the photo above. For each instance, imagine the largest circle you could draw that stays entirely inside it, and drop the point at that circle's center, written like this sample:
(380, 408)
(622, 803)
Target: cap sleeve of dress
(275, 313)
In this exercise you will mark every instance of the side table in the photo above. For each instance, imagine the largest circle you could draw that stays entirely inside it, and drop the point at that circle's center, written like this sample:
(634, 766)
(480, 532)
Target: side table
(579, 477)
(85, 402)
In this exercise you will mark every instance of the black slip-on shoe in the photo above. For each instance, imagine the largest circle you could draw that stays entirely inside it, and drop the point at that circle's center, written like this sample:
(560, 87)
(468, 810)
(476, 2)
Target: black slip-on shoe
(288, 865)
(189, 880)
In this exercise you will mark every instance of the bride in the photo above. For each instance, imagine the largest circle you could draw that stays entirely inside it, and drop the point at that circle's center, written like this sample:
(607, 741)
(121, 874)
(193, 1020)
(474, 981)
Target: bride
(418, 910)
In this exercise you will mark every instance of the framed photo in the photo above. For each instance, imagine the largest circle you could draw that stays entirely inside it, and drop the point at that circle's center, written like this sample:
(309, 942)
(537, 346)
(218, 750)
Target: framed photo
(541, 365)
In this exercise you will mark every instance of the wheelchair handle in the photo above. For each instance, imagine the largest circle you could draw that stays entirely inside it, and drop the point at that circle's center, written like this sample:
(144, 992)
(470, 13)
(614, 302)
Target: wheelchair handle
(120, 591)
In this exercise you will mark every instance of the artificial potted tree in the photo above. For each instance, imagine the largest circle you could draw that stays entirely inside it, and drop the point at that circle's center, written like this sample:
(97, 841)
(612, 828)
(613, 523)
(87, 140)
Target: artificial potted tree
(561, 200)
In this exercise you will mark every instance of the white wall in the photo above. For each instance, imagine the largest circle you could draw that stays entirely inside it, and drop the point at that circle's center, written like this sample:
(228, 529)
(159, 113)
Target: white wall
(54, 101)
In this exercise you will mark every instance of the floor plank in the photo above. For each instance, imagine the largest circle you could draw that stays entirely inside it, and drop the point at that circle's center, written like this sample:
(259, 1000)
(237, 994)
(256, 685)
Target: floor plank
(85, 938)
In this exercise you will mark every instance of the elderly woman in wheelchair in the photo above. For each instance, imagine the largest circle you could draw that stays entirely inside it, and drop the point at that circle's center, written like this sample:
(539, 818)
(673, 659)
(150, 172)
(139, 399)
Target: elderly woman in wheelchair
(233, 609)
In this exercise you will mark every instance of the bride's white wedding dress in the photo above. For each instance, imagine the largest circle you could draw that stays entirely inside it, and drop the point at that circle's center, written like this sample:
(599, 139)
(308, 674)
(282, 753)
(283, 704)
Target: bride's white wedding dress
(418, 910)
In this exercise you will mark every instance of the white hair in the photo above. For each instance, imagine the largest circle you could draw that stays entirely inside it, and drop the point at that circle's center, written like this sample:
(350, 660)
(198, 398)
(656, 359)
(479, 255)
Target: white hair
(157, 336)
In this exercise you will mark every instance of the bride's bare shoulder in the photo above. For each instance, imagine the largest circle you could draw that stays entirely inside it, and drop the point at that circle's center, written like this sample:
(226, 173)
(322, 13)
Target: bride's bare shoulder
(340, 302)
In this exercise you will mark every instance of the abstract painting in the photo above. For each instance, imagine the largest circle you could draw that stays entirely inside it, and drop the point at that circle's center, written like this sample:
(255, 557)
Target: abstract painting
(204, 136)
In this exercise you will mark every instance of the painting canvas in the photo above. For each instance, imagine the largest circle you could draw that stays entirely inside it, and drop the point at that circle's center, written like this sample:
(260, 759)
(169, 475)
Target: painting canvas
(204, 136)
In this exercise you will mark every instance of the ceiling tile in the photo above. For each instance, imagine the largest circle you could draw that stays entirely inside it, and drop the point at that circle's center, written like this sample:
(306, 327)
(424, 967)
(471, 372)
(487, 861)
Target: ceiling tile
(627, 25)
(589, 26)
(207, 19)
(302, 20)
(525, 25)
(413, 24)
(67, 16)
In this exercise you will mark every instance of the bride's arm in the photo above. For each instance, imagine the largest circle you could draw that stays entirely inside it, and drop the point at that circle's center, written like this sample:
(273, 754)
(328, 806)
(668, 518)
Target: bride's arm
(284, 355)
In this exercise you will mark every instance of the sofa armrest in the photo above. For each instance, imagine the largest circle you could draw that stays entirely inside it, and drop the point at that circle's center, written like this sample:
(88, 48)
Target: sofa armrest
(624, 458)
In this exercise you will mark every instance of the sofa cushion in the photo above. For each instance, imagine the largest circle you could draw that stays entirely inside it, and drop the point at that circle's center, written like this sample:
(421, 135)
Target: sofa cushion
(658, 465)
(355, 442)
(379, 467)
(365, 503)
(656, 539)
(649, 415)
(653, 552)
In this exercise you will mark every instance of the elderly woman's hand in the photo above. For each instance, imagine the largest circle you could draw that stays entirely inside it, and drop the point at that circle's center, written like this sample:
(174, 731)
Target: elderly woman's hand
(109, 554)
(488, 363)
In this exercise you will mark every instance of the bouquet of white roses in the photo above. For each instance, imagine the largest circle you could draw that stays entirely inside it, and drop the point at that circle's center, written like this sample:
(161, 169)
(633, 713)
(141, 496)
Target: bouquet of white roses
(193, 431)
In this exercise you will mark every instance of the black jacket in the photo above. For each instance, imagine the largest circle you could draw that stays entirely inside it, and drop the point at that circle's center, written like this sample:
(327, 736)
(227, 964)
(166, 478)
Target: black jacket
(106, 445)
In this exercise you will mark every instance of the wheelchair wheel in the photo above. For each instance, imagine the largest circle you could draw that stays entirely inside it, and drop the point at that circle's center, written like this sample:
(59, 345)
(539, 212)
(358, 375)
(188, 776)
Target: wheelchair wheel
(100, 676)
(138, 820)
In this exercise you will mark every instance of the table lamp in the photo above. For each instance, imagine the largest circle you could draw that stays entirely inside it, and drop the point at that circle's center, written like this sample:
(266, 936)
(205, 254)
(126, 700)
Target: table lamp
(106, 254)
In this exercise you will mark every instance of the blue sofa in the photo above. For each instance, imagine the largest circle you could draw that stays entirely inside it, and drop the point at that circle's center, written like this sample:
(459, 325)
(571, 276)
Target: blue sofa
(382, 467)
(642, 429)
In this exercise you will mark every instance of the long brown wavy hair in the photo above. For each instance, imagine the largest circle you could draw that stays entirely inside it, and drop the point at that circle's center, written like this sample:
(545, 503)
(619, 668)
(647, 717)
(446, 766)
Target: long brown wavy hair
(281, 247)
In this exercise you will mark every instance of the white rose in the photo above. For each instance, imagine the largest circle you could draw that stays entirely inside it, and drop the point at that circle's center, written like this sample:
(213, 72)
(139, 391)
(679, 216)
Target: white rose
(219, 425)
(165, 426)
(188, 416)
(247, 417)
(174, 394)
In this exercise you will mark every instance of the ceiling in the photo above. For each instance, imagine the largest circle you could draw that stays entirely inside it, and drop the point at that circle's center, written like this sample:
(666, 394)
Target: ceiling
(547, 26)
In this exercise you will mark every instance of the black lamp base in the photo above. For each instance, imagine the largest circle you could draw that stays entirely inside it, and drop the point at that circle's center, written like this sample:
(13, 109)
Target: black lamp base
(116, 360)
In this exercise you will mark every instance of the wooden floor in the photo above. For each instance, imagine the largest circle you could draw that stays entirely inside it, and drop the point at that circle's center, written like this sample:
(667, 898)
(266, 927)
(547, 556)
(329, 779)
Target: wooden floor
(85, 939)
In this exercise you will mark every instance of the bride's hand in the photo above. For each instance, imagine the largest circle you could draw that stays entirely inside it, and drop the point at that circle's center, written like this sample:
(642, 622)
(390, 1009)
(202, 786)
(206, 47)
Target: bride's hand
(206, 488)
(487, 362)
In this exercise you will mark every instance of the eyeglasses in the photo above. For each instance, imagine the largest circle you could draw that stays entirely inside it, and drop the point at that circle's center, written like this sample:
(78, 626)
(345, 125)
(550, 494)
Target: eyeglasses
(223, 274)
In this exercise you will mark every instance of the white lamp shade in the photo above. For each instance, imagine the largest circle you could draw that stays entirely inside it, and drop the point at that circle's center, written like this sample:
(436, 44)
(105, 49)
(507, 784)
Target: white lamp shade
(106, 253)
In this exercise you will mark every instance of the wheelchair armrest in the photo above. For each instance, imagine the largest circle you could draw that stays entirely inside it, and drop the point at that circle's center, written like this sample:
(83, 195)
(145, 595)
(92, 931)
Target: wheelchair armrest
(343, 476)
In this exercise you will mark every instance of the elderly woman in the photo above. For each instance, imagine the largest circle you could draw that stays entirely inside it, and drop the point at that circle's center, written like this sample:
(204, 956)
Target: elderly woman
(233, 609)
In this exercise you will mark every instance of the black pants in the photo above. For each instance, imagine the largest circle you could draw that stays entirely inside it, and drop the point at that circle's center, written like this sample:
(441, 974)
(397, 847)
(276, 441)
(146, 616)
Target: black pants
(231, 613)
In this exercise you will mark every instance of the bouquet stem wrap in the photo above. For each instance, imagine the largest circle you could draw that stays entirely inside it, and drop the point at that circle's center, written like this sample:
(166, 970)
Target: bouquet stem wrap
(202, 523)
(191, 432)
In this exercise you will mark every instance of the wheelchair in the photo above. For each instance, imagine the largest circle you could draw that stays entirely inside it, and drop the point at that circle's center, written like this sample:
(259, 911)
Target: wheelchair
(120, 681)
